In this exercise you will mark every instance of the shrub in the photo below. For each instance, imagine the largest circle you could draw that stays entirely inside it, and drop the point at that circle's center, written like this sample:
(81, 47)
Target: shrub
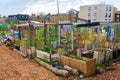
(46, 48)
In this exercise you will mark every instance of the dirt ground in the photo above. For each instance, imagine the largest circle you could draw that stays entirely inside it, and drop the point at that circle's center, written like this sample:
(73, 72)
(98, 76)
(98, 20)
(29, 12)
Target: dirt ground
(111, 73)
(15, 67)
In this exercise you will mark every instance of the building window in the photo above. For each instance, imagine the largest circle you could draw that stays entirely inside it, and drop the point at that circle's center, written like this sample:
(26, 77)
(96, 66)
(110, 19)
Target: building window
(89, 15)
(118, 20)
(109, 19)
(89, 9)
(110, 15)
(109, 8)
(22, 16)
(106, 8)
(94, 19)
(95, 15)
(118, 15)
(26, 17)
(106, 15)
(105, 19)
(95, 8)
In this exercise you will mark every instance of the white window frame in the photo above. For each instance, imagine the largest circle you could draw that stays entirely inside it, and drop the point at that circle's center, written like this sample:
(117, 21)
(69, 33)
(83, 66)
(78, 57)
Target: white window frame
(95, 8)
(95, 15)
(89, 9)
(89, 15)
(106, 9)
(110, 9)
(118, 15)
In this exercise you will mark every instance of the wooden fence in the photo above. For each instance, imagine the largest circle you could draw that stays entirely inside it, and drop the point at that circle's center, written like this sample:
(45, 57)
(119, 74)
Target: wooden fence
(87, 67)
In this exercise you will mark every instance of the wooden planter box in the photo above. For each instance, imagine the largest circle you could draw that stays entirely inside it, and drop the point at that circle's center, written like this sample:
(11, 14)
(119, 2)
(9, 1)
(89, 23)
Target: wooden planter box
(87, 67)
(117, 45)
(27, 50)
(45, 55)
(79, 53)
(96, 56)
(106, 44)
(111, 45)
(23, 49)
(42, 54)
(108, 55)
(100, 58)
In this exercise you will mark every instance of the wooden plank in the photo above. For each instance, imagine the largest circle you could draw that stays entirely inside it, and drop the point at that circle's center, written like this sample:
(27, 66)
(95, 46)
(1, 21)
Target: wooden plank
(87, 67)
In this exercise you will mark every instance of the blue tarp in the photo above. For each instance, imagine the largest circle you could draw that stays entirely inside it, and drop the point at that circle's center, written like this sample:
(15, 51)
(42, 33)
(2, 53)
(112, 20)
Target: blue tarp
(1, 25)
(16, 33)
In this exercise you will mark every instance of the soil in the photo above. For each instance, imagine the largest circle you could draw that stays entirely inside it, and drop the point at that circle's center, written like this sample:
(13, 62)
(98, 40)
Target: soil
(14, 67)
(111, 73)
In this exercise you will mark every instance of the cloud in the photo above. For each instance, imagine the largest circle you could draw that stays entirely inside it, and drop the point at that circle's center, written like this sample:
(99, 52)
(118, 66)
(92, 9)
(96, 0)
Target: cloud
(40, 5)
(50, 6)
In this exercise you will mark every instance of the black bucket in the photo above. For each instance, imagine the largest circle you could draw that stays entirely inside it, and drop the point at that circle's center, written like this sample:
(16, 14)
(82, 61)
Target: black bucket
(116, 53)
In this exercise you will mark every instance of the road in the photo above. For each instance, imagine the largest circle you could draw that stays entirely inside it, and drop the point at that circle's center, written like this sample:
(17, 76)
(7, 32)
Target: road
(15, 67)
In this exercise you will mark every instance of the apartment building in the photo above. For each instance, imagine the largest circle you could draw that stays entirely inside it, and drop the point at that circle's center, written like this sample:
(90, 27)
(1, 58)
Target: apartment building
(117, 16)
(98, 12)
(19, 17)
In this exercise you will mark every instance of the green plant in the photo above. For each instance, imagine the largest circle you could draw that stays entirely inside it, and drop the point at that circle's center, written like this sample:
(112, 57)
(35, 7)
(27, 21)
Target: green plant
(49, 62)
(103, 52)
(17, 42)
(15, 21)
(117, 33)
(39, 36)
(75, 57)
(53, 39)
(46, 48)
(110, 60)
(59, 51)
(33, 56)
(2, 31)
(100, 65)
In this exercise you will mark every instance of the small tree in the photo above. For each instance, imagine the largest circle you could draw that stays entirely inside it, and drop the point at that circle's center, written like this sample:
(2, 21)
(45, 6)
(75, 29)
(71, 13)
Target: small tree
(15, 21)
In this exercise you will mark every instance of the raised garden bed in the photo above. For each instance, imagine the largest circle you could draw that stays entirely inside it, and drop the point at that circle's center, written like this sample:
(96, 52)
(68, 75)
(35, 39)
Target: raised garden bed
(46, 55)
(102, 55)
(88, 67)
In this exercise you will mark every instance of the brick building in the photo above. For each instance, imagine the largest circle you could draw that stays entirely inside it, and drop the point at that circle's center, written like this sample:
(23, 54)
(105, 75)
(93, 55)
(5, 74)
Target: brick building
(117, 16)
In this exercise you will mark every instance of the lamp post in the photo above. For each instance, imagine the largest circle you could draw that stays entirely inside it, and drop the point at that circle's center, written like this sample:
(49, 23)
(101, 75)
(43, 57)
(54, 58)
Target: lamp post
(58, 22)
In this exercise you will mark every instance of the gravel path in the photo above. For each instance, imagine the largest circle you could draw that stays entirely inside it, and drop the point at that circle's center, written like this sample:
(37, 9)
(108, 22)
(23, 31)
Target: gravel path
(15, 67)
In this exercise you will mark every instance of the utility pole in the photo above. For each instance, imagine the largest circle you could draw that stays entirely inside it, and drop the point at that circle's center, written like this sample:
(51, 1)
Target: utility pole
(58, 23)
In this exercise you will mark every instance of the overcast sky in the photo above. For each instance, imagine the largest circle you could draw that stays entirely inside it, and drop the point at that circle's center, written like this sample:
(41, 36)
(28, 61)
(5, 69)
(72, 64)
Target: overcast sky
(8, 7)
